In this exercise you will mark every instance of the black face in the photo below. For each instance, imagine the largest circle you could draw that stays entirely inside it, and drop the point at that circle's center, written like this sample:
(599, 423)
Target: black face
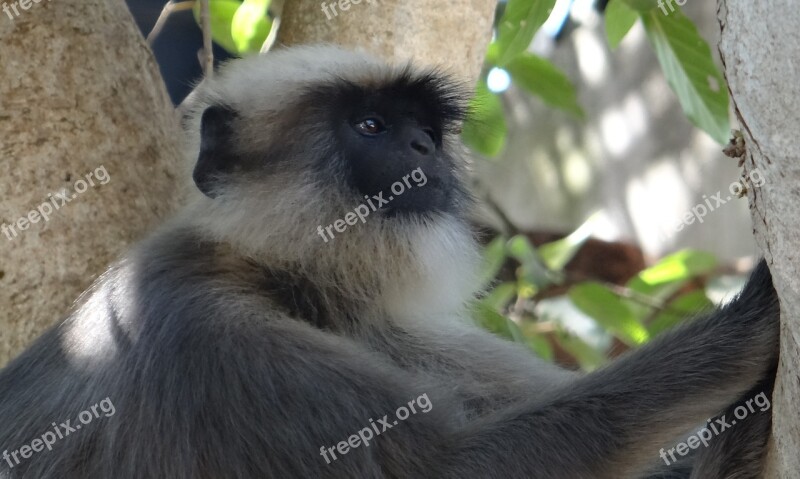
(391, 140)
(217, 158)
(388, 137)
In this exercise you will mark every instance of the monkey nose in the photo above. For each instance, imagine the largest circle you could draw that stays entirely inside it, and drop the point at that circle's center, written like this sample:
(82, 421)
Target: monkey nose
(422, 143)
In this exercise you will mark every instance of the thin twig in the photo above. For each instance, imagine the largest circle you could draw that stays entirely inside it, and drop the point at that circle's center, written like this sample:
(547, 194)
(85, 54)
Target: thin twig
(170, 8)
(273, 35)
(205, 24)
(276, 13)
(657, 305)
(508, 226)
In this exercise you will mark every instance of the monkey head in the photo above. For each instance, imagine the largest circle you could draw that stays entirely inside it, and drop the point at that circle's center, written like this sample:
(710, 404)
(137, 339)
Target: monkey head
(334, 163)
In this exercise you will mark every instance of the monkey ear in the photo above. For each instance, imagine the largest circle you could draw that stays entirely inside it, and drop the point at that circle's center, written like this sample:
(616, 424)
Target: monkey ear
(216, 153)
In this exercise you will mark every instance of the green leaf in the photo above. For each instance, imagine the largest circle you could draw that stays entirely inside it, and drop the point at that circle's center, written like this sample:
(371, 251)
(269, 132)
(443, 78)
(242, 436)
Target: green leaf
(516, 333)
(684, 264)
(521, 249)
(671, 273)
(588, 357)
(491, 320)
(485, 130)
(222, 12)
(541, 346)
(643, 5)
(533, 274)
(679, 311)
(500, 296)
(667, 277)
(690, 71)
(496, 323)
(610, 311)
(557, 254)
(494, 256)
(619, 19)
(543, 79)
(250, 26)
(526, 288)
(516, 29)
(239, 28)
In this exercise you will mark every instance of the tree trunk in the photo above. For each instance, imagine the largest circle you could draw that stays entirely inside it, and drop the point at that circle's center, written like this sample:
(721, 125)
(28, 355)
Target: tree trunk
(80, 94)
(452, 34)
(758, 46)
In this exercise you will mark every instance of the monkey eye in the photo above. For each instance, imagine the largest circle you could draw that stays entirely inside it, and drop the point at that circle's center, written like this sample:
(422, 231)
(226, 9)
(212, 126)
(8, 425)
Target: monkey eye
(371, 126)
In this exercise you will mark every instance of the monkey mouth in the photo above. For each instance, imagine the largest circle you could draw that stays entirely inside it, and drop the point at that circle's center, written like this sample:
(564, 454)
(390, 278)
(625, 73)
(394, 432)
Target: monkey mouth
(433, 197)
(421, 204)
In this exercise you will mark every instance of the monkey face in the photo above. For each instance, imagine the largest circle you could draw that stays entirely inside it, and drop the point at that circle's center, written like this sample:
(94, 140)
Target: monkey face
(380, 136)
(389, 140)
(289, 141)
(328, 160)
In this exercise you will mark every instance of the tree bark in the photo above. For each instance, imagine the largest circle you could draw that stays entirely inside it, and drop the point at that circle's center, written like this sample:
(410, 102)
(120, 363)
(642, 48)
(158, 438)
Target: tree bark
(758, 46)
(80, 93)
(452, 35)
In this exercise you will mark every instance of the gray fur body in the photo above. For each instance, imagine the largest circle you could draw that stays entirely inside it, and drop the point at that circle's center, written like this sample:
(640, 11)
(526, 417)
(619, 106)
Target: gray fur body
(234, 343)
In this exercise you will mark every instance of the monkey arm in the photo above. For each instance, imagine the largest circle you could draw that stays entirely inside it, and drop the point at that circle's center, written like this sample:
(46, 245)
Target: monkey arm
(236, 389)
(276, 398)
(740, 452)
(612, 423)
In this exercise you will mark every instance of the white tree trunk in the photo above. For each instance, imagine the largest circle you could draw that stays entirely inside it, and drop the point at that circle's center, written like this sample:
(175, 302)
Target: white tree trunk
(759, 46)
(452, 34)
(80, 93)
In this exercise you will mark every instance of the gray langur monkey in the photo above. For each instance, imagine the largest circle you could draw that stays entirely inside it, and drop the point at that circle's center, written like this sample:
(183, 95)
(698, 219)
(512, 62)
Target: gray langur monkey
(277, 317)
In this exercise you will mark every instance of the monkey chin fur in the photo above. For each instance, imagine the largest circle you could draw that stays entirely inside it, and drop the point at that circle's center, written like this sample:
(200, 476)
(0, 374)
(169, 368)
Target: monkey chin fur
(417, 264)
(410, 266)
